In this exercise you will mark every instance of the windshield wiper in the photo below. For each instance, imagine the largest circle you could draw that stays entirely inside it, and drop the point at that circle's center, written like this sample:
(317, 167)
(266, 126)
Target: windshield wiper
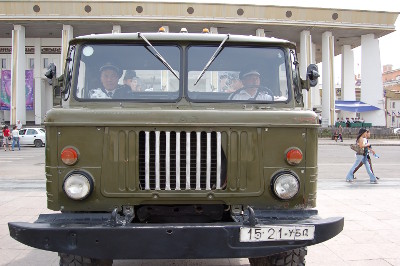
(158, 55)
(212, 59)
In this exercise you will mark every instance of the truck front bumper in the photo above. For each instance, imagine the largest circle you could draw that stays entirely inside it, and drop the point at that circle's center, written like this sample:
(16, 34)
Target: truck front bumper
(94, 236)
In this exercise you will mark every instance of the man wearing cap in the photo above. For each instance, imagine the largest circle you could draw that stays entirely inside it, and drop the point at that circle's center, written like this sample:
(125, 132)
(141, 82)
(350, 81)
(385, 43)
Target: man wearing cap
(131, 80)
(109, 76)
(251, 87)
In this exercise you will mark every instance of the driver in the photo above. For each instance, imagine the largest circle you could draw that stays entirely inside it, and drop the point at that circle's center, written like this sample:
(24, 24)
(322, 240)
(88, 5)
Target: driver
(251, 89)
(110, 89)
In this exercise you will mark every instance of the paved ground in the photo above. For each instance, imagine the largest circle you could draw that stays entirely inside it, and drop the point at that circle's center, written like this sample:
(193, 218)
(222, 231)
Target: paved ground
(371, 235)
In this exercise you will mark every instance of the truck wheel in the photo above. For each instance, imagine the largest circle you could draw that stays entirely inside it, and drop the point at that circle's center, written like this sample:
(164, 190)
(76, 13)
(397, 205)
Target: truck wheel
(38, 143)
(294, 257)
(72, 260)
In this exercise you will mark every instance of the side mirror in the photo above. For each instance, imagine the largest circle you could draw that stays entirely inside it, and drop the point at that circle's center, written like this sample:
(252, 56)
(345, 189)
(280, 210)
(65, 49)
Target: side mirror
(51, 73)
(312, 75)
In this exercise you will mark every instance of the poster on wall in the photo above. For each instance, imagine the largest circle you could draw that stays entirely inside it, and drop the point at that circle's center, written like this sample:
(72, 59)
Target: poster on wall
(29, 89)
(5, 89)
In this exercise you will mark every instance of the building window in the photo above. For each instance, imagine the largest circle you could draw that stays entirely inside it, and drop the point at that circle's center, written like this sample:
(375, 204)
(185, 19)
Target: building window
(3, 63)
(398, 77)
(45, 62)
(393, 105)
(31, 63)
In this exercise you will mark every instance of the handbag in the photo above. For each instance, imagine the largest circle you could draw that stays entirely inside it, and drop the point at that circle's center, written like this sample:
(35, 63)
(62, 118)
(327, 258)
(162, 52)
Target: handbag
(9, 137)
(357, 149)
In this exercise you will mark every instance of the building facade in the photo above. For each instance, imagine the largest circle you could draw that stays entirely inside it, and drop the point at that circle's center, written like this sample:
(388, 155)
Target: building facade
(391, 85)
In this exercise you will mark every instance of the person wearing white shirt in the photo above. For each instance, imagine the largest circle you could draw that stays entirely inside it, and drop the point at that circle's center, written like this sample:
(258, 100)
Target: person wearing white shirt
(251, 88)
(109, 77)
(15, 138)
(19, 124)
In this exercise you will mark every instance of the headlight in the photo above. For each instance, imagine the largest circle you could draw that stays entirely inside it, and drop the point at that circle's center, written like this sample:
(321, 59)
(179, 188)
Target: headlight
(285, 185)
(78, 185)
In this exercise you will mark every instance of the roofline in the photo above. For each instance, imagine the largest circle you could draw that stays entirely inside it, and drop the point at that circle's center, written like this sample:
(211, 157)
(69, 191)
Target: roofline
(158, 36)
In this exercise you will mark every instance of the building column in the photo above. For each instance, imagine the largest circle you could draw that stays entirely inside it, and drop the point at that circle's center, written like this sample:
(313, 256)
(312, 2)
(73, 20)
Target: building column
(316, 96)
(260, 33)
(213, 30)
(116, 29)
(67, 35)
(39, 92)
(305, 60)
(18, 101)
(371, 83)
(328, 88)
(348, 80)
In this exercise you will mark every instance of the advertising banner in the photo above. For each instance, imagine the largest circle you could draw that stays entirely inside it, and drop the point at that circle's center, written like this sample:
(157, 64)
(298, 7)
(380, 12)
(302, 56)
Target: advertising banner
(5, 90)
(29, 89)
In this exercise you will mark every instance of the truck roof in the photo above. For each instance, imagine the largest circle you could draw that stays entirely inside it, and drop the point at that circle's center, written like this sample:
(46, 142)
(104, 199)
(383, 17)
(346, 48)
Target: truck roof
(163, 36)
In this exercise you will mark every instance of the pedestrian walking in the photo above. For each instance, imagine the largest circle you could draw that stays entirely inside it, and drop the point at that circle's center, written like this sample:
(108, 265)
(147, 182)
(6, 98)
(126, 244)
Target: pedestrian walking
(15, 138)
(361, 156)
(370, 150)
(6, 138)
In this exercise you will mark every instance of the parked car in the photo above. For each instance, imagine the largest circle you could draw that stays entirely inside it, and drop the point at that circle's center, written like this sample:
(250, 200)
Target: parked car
(396, 130)
(33, 136)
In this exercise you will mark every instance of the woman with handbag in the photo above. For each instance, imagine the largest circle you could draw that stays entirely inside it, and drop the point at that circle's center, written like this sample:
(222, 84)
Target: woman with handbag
(361, 156)
(6, 138)
(370, 150)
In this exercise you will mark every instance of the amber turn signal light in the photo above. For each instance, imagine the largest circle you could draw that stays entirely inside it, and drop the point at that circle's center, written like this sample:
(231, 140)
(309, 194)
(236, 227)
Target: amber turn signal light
(294, 156)
(69, 156)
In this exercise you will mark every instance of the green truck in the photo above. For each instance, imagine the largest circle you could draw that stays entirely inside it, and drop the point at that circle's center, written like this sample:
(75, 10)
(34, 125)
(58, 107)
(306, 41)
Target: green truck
(180, 145)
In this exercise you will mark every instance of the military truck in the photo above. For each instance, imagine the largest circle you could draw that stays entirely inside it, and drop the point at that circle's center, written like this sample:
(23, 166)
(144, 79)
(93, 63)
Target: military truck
(209, 155)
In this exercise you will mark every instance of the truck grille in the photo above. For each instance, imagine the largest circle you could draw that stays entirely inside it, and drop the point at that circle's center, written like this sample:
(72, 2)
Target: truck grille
(181, 161)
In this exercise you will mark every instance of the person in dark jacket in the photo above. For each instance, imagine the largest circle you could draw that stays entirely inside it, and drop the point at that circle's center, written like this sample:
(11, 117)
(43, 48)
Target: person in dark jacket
(110, 89)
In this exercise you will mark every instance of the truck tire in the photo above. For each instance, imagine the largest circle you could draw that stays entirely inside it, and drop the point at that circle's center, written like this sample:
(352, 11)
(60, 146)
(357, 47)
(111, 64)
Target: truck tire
(72, 260)
(294, 257)
(38, 143)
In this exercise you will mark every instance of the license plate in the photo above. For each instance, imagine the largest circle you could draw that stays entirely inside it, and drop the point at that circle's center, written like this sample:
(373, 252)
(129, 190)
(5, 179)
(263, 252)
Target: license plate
(276, 233)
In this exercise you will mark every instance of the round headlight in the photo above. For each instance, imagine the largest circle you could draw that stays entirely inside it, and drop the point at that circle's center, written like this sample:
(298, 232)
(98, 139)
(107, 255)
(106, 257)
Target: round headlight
(286, 186)
(78, 186)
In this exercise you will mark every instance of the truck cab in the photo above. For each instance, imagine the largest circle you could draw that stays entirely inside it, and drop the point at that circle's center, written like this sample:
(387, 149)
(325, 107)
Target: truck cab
(180, 145)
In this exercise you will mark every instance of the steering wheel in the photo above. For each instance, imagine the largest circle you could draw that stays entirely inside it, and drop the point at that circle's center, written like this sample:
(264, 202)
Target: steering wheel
(261, 89)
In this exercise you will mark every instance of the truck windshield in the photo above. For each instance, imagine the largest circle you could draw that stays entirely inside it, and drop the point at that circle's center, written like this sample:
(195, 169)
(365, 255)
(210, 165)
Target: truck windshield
(127, 72)
(238, 73)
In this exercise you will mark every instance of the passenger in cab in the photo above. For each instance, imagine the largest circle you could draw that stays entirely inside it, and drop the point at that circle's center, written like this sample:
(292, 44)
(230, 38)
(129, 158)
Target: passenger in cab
(251, 89)
(110, 89)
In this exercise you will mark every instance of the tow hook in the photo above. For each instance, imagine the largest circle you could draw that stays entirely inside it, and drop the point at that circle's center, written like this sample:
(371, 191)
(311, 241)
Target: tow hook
(128, 216)
(252, 220)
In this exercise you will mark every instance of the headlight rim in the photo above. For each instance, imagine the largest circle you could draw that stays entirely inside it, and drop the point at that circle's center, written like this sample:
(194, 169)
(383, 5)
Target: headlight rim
(87, 176)
(277, 175)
